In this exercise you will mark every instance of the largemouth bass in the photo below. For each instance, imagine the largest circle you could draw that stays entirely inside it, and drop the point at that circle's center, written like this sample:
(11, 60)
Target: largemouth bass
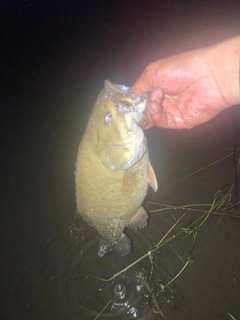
(113, 169)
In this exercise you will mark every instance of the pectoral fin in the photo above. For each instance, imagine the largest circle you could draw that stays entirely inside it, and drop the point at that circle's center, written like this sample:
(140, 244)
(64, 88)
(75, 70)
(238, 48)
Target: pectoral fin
(152, 181)
(130, 181)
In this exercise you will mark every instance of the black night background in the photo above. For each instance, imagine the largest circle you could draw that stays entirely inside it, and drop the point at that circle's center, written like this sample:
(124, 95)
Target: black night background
(55, 56)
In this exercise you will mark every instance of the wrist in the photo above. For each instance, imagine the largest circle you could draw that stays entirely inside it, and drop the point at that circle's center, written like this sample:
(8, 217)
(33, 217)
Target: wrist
(224, 61)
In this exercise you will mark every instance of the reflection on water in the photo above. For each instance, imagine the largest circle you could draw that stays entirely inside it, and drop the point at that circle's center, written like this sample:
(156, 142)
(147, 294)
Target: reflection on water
(87, 287)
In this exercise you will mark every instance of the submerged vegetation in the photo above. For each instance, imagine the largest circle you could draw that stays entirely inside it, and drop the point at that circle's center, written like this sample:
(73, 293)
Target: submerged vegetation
(145, 288)
(222, 205)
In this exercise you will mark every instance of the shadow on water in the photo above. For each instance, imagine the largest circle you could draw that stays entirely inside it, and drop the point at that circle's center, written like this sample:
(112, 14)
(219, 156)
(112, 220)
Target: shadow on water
(59, 58)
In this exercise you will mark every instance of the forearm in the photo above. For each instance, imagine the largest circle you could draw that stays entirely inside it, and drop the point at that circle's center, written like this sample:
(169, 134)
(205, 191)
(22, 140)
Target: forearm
(223, 60)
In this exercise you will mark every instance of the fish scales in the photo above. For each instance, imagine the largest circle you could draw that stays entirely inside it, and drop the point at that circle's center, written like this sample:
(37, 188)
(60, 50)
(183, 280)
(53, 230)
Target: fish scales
(113, 169)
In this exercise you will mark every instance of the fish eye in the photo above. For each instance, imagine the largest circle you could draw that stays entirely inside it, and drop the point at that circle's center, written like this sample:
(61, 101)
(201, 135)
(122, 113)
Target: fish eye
(106, 118)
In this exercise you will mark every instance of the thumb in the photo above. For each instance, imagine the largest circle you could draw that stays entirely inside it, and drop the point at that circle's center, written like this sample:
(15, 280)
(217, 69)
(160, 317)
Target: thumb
(153, 109)
(143, 84)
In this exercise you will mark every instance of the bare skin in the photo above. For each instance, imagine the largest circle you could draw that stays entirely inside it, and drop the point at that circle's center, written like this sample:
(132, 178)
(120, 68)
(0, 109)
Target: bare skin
(191, 88)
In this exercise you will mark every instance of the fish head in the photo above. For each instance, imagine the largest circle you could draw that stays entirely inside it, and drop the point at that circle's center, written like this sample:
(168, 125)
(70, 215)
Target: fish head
(119, 140)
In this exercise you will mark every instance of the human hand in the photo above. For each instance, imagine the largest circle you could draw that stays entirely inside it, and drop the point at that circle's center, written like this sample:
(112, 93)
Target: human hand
(190, 88)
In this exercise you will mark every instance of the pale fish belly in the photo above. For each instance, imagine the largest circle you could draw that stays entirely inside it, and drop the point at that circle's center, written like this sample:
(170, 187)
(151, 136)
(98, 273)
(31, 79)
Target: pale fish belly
(111, 200)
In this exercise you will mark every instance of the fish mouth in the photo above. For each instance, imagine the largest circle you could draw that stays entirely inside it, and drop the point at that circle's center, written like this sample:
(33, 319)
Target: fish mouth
(125, 101)
(138, 107)
(133, 145)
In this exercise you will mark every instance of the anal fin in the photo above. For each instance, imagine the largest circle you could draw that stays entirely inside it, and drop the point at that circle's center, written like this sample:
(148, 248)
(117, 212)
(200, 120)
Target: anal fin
(139, 220)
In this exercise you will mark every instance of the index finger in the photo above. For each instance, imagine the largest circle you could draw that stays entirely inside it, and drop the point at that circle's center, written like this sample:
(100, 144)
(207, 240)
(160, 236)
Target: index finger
(145, 82)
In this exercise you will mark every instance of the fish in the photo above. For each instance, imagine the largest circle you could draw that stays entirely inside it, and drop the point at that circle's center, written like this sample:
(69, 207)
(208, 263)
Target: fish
(113, 169)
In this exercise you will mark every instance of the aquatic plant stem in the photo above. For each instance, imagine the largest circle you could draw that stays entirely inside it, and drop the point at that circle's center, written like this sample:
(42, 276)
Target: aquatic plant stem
(193, 227)
(178, 274)
(207, 166)
(170, 230)
(103, 310)
(189, 260)
(189, 209)
(148, 254)
(232, 317)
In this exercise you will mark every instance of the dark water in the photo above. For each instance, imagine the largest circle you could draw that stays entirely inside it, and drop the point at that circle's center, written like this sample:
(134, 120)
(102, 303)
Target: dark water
(55, 59)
